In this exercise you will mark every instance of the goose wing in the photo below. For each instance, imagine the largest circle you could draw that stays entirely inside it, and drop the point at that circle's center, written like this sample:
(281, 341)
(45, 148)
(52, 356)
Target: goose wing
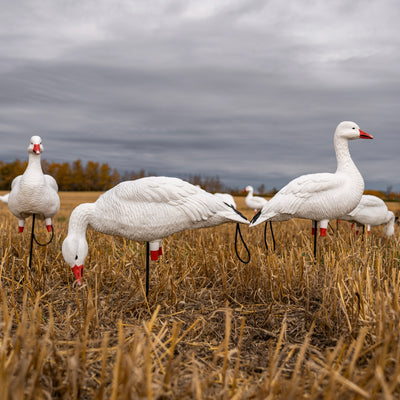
(367, 202)
(304, 188)
(50, 181)
(15, 181)
(165, 192)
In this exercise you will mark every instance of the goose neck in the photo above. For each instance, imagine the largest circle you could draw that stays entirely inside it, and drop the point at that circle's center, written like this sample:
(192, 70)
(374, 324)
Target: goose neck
(390, 218)
(34, 162)
(80, 218)
(33, 175)
(343, 157)
(389, 229)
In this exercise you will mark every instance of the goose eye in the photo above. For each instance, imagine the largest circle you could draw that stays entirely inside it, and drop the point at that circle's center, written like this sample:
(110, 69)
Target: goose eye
(354, 127)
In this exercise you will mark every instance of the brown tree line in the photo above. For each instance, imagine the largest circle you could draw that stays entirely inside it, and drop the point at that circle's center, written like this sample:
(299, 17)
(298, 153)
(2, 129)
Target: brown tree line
(70, 177)
(100, 177)
(93, 176)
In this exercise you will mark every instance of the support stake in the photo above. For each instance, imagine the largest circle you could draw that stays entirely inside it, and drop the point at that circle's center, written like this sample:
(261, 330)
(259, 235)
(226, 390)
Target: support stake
(33, 238)
(32, 235)
(147, 268)
(315, 225)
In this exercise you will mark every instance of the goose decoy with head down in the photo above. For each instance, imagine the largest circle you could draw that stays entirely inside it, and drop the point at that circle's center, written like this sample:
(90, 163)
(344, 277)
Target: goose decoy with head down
(146, 209)
(372, 211)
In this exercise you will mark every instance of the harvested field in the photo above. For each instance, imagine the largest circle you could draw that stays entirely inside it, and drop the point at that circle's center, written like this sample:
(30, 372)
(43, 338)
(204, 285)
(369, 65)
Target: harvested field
(283, 326)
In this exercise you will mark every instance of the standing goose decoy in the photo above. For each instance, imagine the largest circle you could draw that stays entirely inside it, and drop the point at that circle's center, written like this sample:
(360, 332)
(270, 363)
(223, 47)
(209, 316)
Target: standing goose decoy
(146, 209)
(34, 193)
(372, 211)
(256, 203)
(323, 196)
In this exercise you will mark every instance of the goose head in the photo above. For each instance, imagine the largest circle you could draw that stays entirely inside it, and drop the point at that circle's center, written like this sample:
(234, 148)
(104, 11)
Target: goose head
(35, 145)
(74, 250)
(350, 131)
(248, 189)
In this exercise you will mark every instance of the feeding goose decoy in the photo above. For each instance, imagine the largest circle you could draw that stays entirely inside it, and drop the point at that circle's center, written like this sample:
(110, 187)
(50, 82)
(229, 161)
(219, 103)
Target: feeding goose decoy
(146, 209)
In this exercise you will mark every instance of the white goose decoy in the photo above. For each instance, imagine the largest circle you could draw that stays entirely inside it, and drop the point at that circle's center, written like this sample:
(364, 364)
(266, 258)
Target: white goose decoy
(146, 209)
(323, 196)
(256, 203)
(227, 198)
(372, 211)
(33, 192)
(4, 198)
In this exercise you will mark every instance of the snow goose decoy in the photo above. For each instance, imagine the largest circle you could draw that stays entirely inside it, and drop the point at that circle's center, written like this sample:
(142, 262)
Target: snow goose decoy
(34, 193)
(256, 203)
(324, 196)
(146, 209)
(372, 211)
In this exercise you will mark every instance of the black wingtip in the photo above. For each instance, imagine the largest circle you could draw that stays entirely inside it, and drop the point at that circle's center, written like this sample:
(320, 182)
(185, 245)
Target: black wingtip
(255, 218)
(236, 211)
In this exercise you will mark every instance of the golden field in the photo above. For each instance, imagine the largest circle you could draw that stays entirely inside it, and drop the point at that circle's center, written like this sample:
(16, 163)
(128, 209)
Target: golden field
(284, 326)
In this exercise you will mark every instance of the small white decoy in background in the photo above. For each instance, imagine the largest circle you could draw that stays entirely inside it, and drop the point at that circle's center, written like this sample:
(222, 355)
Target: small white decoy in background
(4, 198)
(34, 193)
(227, 198)
(146, 209)
(323, 196)
(256, 203)
(372, 211)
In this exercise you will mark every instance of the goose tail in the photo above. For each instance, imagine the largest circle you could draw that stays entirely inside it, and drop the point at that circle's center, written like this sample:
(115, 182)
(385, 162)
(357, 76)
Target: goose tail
(4, 198)
(236, 215)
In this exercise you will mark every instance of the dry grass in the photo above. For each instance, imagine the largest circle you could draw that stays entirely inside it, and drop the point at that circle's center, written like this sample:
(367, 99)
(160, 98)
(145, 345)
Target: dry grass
(281, 327)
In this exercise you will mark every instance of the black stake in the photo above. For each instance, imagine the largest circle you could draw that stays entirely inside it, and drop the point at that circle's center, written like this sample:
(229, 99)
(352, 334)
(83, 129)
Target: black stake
(272, 234)
(147, 268)
(32, 235)
(315, 225)
(33, 238)
(238, 232)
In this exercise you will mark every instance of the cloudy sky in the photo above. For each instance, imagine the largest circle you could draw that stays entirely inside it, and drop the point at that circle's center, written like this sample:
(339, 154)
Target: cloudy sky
(247, 90)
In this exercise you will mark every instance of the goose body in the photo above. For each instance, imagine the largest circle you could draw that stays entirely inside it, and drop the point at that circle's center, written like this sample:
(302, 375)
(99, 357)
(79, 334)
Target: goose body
(321, 196)
(372, 211)
(34, 192)
(256, 203)
(146, 209)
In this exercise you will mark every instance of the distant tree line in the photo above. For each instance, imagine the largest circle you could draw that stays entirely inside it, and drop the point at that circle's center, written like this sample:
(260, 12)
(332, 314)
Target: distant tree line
(94, 176)
(70, 177)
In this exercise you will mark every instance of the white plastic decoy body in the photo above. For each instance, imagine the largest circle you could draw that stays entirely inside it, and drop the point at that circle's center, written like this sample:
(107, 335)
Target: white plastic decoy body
(34, 192)
(146, 209)
(371, 211)
(256, 203)
(322, 196)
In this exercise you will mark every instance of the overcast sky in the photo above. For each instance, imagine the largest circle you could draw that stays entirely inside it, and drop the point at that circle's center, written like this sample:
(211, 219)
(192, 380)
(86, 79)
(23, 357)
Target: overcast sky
(248, 90)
